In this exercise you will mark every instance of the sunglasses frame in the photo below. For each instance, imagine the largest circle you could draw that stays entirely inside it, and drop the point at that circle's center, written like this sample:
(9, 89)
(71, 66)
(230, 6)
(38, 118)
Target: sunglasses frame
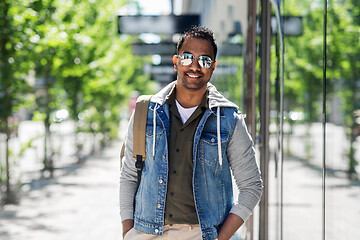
(193, 58)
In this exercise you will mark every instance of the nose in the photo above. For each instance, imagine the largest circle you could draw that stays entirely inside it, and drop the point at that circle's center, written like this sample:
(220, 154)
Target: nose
(195, 66)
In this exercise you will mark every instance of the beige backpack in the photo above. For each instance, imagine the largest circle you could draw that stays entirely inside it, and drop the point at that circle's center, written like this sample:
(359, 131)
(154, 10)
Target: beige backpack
(139, 131)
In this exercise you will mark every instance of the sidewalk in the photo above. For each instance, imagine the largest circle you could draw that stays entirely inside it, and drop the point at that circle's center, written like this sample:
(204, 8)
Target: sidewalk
(82, 203)
(302, 209)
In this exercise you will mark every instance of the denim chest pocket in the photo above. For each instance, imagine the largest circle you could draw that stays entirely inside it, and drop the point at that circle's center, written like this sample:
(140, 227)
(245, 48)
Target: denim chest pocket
(209, 146)
(150, 130)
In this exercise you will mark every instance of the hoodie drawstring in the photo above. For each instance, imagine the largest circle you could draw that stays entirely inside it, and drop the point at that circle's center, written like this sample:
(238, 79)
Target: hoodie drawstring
(218, 135)
(154, 131)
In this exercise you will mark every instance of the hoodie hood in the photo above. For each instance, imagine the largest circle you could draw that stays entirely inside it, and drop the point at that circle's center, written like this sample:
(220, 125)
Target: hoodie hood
(215, 98)
(216, 101)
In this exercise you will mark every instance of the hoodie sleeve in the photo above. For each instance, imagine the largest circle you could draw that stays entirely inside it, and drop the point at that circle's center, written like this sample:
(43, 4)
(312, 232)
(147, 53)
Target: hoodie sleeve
(241, 156)
(128, 176)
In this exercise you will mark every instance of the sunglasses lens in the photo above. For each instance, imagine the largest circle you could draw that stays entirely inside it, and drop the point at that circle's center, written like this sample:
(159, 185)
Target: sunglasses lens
(205, 61)
(186, 59)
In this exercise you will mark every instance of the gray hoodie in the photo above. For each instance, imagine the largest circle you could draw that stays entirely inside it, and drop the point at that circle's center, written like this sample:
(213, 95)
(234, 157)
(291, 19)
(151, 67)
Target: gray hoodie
(245, 172)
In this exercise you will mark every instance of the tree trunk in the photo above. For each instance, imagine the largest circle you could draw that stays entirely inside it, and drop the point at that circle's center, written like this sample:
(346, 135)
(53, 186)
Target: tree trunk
(48, 156)
(10, 197)
(351, 160)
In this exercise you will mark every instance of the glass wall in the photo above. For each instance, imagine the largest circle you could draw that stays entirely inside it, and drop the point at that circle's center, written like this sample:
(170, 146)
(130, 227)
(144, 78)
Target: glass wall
(303, 204)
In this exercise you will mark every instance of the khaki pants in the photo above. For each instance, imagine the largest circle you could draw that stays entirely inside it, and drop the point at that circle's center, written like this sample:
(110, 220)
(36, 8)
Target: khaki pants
(173, 232)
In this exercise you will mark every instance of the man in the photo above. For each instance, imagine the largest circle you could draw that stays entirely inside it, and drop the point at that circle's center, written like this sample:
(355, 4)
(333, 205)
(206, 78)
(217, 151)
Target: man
(194, 138)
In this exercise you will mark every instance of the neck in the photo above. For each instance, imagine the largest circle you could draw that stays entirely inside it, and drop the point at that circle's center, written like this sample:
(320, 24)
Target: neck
(189, 98)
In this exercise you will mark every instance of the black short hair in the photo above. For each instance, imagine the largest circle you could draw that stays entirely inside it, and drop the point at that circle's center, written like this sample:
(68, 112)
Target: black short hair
(198, 32)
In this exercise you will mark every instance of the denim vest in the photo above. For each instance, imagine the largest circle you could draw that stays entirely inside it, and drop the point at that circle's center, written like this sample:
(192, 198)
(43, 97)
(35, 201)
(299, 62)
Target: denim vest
(212, 183)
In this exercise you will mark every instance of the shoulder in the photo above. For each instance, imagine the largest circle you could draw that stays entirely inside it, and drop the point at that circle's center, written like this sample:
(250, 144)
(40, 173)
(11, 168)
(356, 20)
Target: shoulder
(231, 113)
(229, 117)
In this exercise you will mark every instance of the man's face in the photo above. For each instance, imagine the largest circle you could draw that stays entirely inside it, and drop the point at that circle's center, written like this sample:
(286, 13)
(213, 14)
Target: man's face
(193, 76)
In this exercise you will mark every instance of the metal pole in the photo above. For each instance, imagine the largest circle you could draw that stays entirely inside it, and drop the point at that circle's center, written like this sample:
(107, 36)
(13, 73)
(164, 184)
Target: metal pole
(172, 7)
(265, 19)
(250, 88)
(280, 122)
(278, 137)
(324, 124)
(250, 68)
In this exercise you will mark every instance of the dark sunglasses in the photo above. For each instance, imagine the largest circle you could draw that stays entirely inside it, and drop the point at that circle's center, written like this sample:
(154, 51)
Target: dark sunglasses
(204, 61)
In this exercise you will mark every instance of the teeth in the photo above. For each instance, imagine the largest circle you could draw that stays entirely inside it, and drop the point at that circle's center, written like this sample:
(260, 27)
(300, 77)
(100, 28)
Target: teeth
(193, 76)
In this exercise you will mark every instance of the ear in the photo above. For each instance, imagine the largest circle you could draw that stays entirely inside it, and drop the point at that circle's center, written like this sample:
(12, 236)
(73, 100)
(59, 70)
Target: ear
(175, 58)
(215, 64)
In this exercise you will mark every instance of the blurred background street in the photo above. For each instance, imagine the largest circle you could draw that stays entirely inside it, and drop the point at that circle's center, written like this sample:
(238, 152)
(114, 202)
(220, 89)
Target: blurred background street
(72, 70)
(81, 202)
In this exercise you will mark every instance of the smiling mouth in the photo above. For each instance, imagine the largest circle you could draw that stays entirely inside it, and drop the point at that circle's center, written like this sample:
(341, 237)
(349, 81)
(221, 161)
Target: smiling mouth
(193, 76)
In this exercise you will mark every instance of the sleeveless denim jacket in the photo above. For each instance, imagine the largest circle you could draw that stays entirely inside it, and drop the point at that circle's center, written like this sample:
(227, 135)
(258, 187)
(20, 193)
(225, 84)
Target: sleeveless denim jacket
(212, 183)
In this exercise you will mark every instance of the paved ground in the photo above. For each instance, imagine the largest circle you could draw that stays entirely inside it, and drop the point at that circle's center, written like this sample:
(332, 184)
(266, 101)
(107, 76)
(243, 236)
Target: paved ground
(303, 208)
(81, 204)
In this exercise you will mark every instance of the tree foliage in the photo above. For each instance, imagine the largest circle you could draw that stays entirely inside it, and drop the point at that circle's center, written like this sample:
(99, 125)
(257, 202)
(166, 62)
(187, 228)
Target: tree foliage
(304, 62)
(65, 54)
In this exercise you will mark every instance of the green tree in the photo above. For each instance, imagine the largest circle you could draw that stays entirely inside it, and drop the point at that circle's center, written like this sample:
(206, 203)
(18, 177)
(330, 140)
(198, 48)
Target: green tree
(79, 61)
(74, 38)
(344, 50)
(100, 70)
(303, 59)
(50, 38)
(13, 84)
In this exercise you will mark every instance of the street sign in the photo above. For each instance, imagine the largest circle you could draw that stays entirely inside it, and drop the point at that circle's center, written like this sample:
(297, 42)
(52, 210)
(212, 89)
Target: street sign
(292, 25)
(159, 24)
(158, 69)
(163, 48)
(230, 50)
(225, 70)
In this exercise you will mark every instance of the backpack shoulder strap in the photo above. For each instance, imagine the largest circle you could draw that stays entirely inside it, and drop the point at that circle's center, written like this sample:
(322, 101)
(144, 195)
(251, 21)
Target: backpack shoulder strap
(139, 132)
(139, 128)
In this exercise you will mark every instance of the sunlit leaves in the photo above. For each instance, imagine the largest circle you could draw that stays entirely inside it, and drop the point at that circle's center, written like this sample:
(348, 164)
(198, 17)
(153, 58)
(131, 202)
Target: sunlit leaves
(304, 62)
(304, 54)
